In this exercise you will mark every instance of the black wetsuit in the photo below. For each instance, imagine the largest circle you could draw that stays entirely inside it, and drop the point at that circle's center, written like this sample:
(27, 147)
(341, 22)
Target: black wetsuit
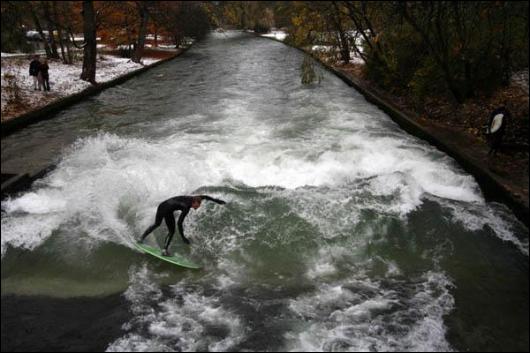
(165, 211)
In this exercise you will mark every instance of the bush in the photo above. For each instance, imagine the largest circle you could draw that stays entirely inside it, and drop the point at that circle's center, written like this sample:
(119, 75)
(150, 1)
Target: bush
(12, 88)
(426, 81)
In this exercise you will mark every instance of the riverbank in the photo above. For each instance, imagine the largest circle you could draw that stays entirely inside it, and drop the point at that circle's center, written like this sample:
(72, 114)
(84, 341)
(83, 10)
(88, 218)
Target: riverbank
(53, 324)
(19, 98)
(504, 177)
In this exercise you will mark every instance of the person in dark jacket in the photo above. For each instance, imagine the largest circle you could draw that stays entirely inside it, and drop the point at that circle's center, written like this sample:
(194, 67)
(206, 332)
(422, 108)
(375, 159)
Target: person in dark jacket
(165, 211)
(34, 71)
(43, 71)
(496, 127)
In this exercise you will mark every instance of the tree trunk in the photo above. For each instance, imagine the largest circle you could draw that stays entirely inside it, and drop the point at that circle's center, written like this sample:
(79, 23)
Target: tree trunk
(344, 47)
(59, 32)
(343, 38)
(51, 29)
(144, 17)
(129, 39)
(61, 44)
(67, 27)
(39, 29)
(90, 50)
(69, 54)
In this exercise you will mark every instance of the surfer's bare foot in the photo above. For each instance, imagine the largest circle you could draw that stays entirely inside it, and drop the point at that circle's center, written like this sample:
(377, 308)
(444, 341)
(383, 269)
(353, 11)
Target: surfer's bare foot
(165, 253)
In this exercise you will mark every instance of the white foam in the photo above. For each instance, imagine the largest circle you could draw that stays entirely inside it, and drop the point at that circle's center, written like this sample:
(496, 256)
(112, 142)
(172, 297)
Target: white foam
(106, 178)
(29, 231)
(497, 216)
(324, 265)
(373, 318)
(180, 321)
(321, 270)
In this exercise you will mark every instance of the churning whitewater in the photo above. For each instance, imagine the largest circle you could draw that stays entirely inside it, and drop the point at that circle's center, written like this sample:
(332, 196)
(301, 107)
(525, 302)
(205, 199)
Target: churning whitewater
(341, 232)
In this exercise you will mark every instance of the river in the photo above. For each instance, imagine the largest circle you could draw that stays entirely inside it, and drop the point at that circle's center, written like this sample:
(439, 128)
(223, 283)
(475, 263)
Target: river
(340, 232)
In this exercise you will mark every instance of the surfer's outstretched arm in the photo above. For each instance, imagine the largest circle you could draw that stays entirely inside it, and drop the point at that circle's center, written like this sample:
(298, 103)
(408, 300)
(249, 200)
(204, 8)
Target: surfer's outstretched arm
(183, 215)
(206, 197)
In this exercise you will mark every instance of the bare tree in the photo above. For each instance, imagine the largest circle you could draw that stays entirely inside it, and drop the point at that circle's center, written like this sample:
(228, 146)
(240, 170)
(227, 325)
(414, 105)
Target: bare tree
(51, 28)
(89, 45)
(359, 13)
(143, 12)
(38, 26)
(59, 26)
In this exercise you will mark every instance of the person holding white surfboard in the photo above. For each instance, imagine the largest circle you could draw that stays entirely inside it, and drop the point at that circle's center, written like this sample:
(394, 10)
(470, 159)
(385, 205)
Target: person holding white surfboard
(496, 127)
(165, 211)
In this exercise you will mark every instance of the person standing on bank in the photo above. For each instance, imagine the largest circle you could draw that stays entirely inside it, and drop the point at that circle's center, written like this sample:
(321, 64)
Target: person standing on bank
(165, 211)
(44, 74)
(34, 71)
(496, 128)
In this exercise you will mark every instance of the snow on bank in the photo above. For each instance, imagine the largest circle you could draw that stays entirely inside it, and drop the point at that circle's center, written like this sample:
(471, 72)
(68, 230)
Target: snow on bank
(331, 50)
(11, 55)
(520, 79)
(319, 49)
(279, 35)
(64, 80)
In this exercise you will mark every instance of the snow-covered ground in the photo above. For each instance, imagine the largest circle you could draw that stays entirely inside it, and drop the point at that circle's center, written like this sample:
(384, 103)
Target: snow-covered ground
(279, 35)
(520, 79)
(328, 49)
(354, 58)
(10, 55)
(64, 80)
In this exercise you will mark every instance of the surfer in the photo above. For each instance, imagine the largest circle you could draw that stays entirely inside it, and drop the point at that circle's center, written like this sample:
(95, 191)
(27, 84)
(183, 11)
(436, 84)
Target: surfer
(165, 211)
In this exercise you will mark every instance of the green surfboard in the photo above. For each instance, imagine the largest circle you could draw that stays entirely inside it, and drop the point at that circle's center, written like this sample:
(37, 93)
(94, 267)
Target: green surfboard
(176, 259)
